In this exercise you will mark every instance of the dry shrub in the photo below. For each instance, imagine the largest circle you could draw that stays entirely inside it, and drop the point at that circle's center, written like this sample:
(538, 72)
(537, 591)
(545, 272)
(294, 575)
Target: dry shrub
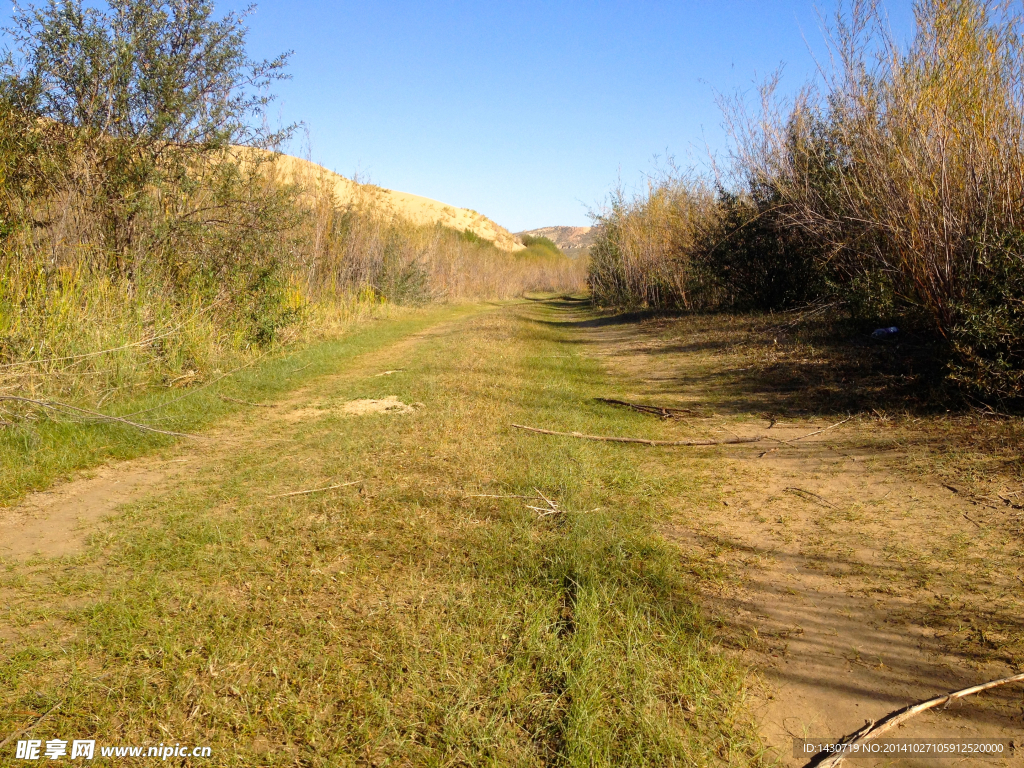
(239, 262)
(361, 243)
(896, 187)
(647, 250)
(909, 169)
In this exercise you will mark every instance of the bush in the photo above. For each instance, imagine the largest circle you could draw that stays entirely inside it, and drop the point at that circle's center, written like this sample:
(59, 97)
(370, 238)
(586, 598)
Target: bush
(896, 188)
(755, 259)
(909, 172)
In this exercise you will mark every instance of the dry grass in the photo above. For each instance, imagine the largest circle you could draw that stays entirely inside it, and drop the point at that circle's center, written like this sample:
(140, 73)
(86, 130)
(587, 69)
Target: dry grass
(402, 620)
(194, 302)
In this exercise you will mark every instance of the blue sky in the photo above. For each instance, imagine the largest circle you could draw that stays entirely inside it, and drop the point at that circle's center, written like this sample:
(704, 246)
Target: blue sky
(528, 112)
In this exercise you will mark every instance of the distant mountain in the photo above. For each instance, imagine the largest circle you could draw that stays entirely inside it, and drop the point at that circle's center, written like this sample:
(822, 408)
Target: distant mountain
(575, 241)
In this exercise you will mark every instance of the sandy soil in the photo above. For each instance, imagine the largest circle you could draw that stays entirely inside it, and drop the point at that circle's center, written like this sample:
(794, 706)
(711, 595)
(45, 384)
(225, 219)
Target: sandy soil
(850, 586)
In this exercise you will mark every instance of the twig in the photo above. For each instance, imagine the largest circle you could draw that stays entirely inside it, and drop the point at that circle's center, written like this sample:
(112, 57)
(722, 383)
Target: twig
(971, 520)
(201, 387)
(876, 728)
(500, 496)
(818, 432)
(313, 490)
(641, 441)
(246, 402)
(545, 512)
(56, 406)
(28, 728)
(808, 493)
(1010, 503)
(550, 503)
(658, 410)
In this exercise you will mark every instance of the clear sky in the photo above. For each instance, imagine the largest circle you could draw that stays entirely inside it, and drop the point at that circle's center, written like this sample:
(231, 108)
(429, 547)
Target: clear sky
(526, 111)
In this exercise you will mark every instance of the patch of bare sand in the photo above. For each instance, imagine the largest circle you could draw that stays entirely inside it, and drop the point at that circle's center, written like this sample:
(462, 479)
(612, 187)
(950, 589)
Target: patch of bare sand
(56, 522)
(390, 405)
(851, 587)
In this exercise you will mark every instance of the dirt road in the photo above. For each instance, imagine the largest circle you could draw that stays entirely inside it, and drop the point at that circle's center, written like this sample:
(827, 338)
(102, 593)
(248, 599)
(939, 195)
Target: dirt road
(378, 569)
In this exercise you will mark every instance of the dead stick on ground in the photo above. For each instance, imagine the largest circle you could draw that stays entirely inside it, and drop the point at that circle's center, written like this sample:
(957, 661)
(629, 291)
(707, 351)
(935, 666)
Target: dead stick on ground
(313, 490)
(246, 402)
(544, 511)
(657, 410)
(812, 434)
(638, 440)
(56, 406)
(28, 728)
(549, 501)
(876, 728)
(808, 493)
(501, 496)
(971, 520)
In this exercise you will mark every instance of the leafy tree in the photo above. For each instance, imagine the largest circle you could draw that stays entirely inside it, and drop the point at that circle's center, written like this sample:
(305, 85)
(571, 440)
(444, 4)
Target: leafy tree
(147, 93)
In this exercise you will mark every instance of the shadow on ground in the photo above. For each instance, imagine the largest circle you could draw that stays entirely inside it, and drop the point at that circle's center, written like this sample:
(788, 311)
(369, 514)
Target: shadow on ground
(786, 365)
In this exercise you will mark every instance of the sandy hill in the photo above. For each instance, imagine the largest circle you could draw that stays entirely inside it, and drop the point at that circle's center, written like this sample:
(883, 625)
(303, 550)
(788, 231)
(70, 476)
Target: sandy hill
(419, 210)
(572, 240)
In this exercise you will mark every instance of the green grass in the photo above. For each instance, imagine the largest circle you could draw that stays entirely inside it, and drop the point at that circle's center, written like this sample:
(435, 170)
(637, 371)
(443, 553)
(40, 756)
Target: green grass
(34, 454)
(402, 621)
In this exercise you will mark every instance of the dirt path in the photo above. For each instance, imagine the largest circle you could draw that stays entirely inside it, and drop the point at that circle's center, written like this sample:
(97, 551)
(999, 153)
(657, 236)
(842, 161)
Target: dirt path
(58, 521)
(432, 613)
(421, 608)
(853, 585)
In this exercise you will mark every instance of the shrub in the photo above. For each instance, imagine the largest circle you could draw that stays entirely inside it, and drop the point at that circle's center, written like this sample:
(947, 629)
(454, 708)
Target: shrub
(909, 170)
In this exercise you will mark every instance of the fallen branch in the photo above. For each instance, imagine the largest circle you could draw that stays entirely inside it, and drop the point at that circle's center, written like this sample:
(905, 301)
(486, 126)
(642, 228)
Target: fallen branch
(801, 491)
(501, 496)
(544, 511)
(876, 728)
(1009, 503)
(818, 432)
(56, 406)
(639, 440)
(658, 410)
(551, 509)
(550, 503)
(313, 490)
(246, 402)
(28, 728)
